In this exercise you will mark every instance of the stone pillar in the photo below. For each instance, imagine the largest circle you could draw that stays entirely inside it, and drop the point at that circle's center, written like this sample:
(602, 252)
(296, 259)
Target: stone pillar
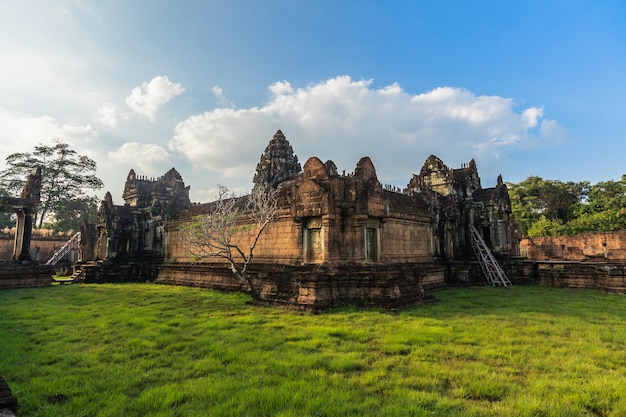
(23, 233)
(28, 231)
(99, 252)
(358, 223)
(331, 251)
(19, 235)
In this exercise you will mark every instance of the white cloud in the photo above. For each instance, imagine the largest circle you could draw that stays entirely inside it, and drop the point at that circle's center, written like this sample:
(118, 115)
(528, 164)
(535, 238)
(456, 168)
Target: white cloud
(107, 114)
(221, 97)
(217, 90)
(209, 143)
(146, 99)
(281, 87)
(146, 158)
(552, 131)
(531, 116)
(343, 120)
(20, 133)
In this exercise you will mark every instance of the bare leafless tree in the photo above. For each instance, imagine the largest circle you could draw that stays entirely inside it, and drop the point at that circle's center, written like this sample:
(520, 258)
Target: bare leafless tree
(231, 229)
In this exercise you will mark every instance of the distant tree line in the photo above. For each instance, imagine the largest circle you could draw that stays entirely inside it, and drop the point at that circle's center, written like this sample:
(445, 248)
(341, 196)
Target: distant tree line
(555, 208)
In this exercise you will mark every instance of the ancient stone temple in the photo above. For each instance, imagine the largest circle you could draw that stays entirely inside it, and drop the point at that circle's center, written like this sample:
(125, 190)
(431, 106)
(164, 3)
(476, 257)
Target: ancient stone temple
(128, 241)
(338, 238)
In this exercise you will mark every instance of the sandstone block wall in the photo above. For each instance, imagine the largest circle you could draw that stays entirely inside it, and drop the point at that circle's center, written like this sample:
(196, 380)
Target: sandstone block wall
(589, 260)
(401, 240)
(603, 276)
(585, 275)
(602, 247)
(279, 243)
(406, 241)
(41, 246)
(14, 275)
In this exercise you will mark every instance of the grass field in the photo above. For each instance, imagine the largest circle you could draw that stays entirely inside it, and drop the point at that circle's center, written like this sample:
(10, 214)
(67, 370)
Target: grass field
(148, 350)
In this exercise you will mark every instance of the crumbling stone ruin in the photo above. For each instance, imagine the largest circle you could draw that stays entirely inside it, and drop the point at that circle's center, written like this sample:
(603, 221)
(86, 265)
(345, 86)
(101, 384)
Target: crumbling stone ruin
(24, 207)
(339, 238)
(20, 271)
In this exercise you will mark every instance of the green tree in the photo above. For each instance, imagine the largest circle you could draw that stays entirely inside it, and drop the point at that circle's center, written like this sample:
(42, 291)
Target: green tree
(604, 209)
(6, 219)
(534, 199)
(545, 227)
(551, 207)
(66, 177)
(608, 195)
(71, 212)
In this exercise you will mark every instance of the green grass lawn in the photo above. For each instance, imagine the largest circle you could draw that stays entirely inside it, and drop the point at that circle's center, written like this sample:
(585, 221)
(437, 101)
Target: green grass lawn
(149, 350)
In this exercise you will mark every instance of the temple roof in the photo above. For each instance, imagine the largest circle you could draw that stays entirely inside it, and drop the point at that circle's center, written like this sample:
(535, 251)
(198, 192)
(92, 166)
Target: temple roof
(277, 164)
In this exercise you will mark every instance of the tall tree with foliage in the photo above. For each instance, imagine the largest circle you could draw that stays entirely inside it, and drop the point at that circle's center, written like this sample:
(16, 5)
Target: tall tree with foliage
(603, 211)
(66, 177)
(6, 219)
(70, 213)
(545, 202)
(552, 208)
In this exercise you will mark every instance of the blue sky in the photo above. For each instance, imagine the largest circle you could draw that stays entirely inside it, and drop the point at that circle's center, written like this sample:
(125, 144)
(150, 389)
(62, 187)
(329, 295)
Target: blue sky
(524, 88)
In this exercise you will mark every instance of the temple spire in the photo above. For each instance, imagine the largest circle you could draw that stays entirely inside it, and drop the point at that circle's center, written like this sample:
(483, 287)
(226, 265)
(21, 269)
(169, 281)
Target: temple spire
(277, 164)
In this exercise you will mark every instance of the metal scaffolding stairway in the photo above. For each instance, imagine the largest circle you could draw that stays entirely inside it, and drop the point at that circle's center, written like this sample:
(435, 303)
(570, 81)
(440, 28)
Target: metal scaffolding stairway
(69, 245)
(491, 269)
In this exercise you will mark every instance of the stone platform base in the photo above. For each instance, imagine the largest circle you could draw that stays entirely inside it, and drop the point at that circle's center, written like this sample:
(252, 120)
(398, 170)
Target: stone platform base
(319, 287)
(603, 276)
(16, 275)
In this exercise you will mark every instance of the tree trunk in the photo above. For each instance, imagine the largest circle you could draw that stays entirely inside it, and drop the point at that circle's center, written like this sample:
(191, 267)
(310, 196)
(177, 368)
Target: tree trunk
(253, 292)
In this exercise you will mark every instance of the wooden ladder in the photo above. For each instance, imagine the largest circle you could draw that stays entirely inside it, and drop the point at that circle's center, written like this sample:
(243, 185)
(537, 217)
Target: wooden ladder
(491, 269)
(69, 245)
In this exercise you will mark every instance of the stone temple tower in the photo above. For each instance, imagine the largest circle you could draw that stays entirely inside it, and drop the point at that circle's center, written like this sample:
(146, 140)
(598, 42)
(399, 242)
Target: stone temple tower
(278, 163)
